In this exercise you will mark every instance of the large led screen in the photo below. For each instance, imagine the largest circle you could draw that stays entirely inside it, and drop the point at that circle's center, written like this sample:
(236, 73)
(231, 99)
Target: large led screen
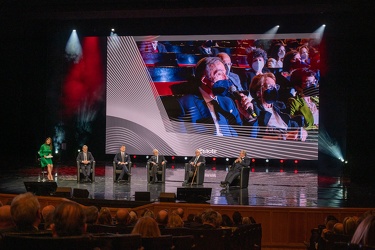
(216, 93)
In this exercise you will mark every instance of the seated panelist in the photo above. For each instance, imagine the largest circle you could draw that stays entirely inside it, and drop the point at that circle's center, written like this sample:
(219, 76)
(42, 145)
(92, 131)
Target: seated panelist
(122, 160)
(156, 162)
(192, 167)
(85, 160)
(235, 170)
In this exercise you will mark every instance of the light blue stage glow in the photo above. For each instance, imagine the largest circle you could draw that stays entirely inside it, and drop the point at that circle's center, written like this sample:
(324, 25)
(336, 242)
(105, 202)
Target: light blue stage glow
(73, 48)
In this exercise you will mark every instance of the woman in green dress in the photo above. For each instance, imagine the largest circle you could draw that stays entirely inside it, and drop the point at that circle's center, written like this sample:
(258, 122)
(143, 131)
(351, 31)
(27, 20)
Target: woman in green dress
(45, 153)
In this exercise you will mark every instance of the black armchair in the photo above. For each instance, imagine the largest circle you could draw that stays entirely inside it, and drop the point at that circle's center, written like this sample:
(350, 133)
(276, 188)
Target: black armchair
(242, 181)
(80, 174)
(117, 172)
(199, 176)
(160, 174)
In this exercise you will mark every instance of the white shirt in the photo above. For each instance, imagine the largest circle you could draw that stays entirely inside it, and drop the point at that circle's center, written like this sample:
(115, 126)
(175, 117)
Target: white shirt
(208, 98)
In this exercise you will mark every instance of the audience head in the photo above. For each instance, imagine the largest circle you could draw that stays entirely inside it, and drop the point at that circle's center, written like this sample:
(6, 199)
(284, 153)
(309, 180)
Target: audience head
(302, 78)
(226, 221)
(47, 214)
(350, 224)
(338, 228)
(162, 217)
(148, 213)
(105, 217)
(133, 217)
(25, 210)
(6, 220)
(92, 214)
(277, 51)
(212, 218)
(237, 218)
(257, 59)
(292, 61)
(210, 70)
(68, 220)
(146, 227)
(364, 234)
(246, 220)
(226, 60)
(180, 211)
(175, 220)
(264, 88)
(122, 216)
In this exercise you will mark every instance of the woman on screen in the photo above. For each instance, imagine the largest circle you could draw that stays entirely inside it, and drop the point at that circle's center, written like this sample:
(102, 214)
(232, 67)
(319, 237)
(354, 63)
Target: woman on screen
(45, 153)
(272, 121)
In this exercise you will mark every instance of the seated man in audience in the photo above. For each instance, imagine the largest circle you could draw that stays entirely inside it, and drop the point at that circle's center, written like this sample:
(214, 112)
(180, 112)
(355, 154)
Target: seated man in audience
(92, 214)
(25, 210)
(122, 217)
(196, 162)
(211, 219)
(233, 78)
(85, 160)
(156, 162)
(235, 170)
(162, 218)
(122, 160)
(68, 220)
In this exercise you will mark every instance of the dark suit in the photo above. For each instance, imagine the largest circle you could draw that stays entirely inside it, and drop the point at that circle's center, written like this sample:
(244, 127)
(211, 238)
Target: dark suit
(118, 159)
(235, 169)
(155, 167)
(189, 168)
(86, 168)
(195, 110)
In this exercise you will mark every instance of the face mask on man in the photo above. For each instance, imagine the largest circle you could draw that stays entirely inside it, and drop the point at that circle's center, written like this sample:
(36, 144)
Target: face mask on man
(270, 95)
(221, 87)
(257, 66)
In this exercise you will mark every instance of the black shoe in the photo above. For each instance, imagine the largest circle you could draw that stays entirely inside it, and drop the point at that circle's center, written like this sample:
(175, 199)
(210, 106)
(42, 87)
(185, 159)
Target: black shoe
(129, 174)
(223, 182)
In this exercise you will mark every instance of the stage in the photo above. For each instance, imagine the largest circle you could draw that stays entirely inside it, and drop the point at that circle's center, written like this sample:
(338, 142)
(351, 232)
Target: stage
(268, 186)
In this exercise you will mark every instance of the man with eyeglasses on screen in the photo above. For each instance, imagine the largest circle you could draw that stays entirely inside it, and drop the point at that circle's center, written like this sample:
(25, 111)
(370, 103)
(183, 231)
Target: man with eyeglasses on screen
(210, 103)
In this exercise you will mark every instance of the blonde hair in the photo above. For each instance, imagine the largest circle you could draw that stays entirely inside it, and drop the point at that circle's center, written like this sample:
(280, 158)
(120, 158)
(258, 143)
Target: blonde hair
(146, 227)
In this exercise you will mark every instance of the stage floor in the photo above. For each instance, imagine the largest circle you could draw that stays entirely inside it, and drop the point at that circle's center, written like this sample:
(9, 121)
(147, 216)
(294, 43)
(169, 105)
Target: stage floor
(267, 186)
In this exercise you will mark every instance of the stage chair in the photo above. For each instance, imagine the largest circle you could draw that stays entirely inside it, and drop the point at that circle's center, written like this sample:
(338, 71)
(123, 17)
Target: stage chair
(79, 172)
(163, 242)
(160, 174)
(199, 178)
(43, 172)
(242, 180)
(117, 172)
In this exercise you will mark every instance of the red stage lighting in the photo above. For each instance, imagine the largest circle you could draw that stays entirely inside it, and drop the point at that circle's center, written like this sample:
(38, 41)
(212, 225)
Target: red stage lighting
(214, 159)
(295, 171)
(296, 161)
(253, 160)
(134, 156)
(281, 170)
(172, 166)
(213, 168)
(253, 170)
(172, 157)
(281, 161)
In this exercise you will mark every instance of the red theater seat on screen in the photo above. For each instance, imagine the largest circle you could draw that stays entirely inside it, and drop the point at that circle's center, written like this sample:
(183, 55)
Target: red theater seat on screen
(188, 60)
(170, 80)
(240, 61)
(159, 59)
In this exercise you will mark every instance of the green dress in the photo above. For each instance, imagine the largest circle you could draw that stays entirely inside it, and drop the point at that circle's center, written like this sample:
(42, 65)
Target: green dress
(44, 151)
